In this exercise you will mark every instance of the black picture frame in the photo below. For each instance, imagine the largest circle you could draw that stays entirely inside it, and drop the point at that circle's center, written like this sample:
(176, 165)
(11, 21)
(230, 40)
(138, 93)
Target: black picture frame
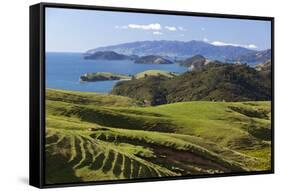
(37, 92)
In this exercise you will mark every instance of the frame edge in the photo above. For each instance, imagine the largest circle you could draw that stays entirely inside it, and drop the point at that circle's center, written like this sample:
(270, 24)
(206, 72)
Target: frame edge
(34, 98)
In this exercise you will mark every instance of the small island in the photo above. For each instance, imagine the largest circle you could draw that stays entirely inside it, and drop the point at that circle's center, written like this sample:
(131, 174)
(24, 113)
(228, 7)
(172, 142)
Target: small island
(152, 59)
(103, 76)
(107, 55)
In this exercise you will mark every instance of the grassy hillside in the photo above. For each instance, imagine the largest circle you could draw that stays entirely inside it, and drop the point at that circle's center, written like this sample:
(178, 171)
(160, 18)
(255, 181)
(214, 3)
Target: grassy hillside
(93, 137)
(155, 73)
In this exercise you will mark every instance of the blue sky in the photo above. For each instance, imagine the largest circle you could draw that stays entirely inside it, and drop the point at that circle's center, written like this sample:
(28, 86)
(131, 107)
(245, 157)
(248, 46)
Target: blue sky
(73, 30)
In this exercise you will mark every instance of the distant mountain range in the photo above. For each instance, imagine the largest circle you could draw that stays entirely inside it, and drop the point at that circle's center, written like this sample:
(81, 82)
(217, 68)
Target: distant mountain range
(180, 49)
(107, 55)
(256, 57)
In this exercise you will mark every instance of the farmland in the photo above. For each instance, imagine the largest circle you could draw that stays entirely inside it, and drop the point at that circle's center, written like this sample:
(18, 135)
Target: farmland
(94, 137)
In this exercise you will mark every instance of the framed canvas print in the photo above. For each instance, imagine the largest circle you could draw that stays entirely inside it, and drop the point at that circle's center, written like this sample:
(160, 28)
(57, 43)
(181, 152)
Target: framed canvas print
(121, 95)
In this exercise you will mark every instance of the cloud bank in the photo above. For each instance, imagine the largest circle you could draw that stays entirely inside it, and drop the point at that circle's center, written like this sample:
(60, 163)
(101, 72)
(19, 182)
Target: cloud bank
(220, 43)
(170, 28)
(151, 26)
(157, 33)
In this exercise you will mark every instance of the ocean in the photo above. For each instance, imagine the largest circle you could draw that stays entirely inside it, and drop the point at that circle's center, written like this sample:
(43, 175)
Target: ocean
(63, 71)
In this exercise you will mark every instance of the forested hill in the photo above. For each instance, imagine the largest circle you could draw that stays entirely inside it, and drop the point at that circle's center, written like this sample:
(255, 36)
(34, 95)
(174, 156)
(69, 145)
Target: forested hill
(214, 82)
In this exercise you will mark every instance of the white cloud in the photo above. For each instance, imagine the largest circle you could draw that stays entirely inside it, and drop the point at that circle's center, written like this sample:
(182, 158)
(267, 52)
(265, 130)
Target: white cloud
(252, 46)
(171, 28)
(153, 26)
(219, 43)
(205, 39)
(181, 29)
(157, 33)
(156, 27)
(121, 27)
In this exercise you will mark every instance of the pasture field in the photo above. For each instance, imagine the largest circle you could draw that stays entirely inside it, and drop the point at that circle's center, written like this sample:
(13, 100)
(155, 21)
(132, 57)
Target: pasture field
(94, 137)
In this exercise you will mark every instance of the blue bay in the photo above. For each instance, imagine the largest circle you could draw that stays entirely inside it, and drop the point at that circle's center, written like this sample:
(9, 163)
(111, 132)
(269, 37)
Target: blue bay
(64, 69)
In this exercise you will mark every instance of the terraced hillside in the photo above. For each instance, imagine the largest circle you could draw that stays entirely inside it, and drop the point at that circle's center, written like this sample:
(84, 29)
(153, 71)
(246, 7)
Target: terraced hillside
(92, 137)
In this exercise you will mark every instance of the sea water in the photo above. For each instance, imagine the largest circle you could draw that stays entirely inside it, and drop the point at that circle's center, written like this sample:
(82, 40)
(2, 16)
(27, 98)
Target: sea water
(63, 71)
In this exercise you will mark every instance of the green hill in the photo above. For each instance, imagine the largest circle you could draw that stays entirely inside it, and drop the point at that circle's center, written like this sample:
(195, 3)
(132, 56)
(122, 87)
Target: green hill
(194, 62)
(214, 82)
(152, 59)
(148, 73)
(150, 90)
(91, 137)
